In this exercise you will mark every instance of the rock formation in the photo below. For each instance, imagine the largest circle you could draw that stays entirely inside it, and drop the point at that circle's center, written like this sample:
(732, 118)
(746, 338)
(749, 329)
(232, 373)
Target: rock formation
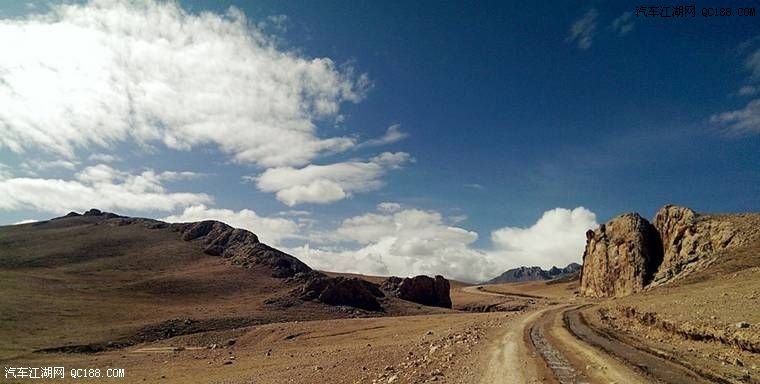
(688, 237)
(628, 254)
(620, 257)
(420, 289)
(353, 292)
(240, 247)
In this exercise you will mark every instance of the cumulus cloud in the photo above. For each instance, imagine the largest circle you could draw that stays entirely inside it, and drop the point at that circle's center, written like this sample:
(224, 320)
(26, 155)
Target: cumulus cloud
(557, 238)
(623, 24)
(413, 241)
(107, 71)
(98, 186)
(403, 242)
(321, 184)
(582, 30)
(270, 230)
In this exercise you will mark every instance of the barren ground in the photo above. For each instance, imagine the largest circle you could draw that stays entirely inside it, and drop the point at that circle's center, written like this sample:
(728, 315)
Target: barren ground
(102, 297)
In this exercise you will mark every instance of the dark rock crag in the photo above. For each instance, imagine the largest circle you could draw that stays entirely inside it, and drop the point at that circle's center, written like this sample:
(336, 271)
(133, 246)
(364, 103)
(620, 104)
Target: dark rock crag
(240, 247)
(420, 289)
(349, 291)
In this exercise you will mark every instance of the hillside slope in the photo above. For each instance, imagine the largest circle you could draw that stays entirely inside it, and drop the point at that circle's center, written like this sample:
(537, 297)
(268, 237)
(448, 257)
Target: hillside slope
(100, 281)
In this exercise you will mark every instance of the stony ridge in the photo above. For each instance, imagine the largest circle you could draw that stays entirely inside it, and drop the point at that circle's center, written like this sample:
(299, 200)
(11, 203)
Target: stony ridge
(240, 247)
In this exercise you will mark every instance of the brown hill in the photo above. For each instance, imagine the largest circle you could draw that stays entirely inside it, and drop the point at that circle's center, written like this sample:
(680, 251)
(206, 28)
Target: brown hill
(101, 281)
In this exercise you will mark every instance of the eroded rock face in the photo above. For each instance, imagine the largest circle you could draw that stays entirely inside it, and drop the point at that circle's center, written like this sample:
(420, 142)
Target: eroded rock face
(420, 289)
(240, 247)
(688, 238)
(620, 257)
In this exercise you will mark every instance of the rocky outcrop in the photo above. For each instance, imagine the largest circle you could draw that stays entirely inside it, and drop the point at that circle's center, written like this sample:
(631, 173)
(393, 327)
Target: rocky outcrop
(96, 212)
(628, 254)
(420, 289)
(687, 238)
(534, 273)
(240, 247)
(620, 257)
(349, 291)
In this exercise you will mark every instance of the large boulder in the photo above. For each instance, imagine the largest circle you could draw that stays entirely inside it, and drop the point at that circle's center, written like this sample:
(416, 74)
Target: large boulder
(620, 258)
(420, 289)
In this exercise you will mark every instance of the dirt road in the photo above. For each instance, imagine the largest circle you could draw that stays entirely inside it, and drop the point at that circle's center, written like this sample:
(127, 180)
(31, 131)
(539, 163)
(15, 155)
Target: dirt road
(554, 344)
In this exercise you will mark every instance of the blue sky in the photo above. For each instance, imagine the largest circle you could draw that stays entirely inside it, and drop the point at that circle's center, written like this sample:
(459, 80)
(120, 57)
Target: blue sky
(474, 124)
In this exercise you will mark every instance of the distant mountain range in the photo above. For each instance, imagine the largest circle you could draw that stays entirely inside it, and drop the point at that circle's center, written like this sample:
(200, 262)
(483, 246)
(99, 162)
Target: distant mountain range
(535, 273)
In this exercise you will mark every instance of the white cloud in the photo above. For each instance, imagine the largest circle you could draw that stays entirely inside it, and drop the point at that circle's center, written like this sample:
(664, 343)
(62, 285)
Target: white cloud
(411, 241)
(294, 213)
(623, 24)
(98, 186)
(405, 242)
(741, 121)
(557, 238)
(392, 134)
(41, 165)
(474, 186)
(103, 158)
(744, 121)
(388, 207)
(28, 221)
(5, 172)
(269, 230)
(278, 22)
(108, 71)
(582, 30)
(322, 184)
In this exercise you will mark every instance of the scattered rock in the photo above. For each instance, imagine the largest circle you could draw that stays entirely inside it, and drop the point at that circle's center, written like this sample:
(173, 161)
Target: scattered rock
(742, 324)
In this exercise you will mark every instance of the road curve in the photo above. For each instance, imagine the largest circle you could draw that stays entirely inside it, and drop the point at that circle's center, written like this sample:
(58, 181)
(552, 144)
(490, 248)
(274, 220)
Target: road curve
(556, 345)
(513, 360)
